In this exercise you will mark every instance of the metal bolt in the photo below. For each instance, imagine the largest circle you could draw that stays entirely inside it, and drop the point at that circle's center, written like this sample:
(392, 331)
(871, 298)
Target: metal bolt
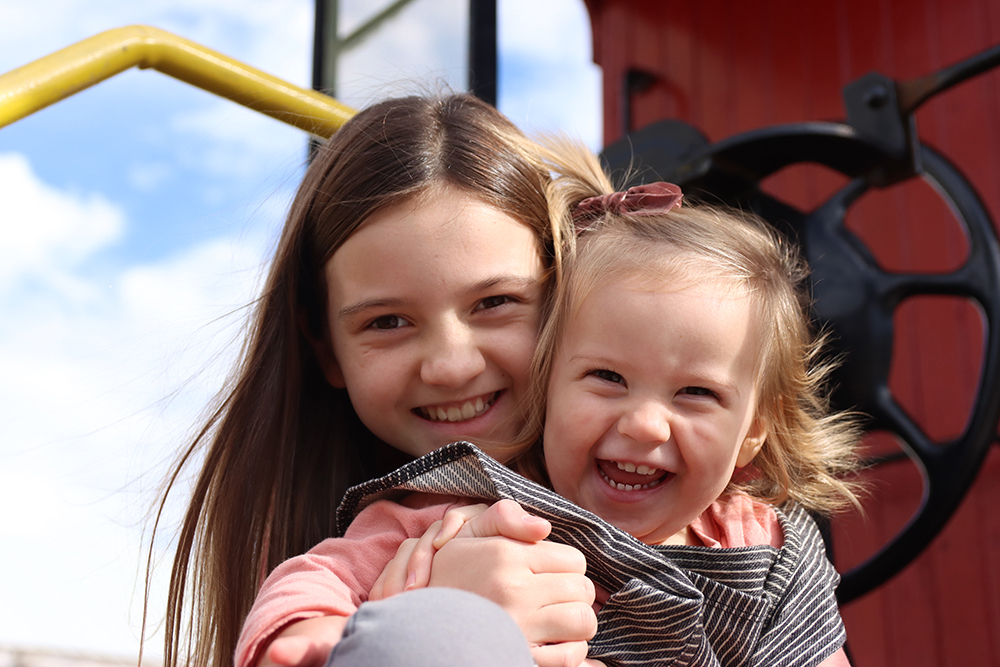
(876, 97)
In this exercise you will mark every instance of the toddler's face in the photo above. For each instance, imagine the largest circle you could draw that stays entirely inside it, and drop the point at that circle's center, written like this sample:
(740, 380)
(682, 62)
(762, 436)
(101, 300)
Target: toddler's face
(433, 312)
(651, 404)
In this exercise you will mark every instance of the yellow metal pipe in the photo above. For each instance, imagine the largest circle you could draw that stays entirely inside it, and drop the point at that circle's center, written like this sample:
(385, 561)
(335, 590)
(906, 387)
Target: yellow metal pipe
(45, 81)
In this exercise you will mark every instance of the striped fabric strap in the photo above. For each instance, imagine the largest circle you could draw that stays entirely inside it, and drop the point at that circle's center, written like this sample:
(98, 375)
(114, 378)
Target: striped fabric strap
(676, 605)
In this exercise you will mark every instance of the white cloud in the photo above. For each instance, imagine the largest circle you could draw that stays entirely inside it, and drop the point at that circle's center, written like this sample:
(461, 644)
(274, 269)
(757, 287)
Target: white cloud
(233, 143)
(548, 81)
(552, 31)
(47, 231)
(96, 394)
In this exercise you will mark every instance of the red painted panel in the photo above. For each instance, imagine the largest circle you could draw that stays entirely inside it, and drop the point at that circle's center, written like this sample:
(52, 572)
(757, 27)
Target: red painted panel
(729, 66)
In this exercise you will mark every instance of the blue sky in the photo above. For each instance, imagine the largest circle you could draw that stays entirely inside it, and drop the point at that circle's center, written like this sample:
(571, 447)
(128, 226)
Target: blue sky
(136, 219)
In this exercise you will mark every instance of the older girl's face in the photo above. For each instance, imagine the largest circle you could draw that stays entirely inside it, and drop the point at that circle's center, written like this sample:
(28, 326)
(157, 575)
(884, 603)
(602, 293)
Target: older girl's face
(433, 314)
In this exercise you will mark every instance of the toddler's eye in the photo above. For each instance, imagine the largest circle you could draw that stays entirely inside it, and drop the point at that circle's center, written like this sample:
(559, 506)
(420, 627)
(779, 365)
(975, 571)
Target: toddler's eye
(388, 322)
(698, 391)
(608, 376)
(493, 302)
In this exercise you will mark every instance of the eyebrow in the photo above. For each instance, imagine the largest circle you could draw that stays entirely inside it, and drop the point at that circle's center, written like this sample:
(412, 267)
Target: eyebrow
(349, 311)
(507, 280)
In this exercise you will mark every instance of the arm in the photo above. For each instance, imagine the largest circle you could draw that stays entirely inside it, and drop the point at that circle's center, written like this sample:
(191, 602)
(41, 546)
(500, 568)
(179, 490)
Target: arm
(330, 581)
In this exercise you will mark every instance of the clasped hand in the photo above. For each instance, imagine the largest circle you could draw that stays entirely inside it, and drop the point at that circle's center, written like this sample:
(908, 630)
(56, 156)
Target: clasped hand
(542, 585)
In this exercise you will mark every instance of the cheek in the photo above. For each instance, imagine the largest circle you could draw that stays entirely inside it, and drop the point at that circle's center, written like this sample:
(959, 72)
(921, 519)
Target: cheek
(373, 376)
(557, 464)
(515, 350)
(570, 430)
(715, 463)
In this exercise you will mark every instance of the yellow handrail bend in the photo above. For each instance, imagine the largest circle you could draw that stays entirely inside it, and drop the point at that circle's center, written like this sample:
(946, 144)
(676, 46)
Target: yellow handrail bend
(55, 77)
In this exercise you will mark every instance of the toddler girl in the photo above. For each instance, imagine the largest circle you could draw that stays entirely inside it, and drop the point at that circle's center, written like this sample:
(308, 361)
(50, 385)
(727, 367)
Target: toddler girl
(685, 432)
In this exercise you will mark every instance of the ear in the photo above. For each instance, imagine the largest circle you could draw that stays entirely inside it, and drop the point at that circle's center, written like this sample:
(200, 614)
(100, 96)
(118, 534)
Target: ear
(323, 351)
(754, 440)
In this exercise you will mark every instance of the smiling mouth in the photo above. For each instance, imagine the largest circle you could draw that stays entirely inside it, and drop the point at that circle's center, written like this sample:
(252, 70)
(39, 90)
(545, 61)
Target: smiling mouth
(455, 413)
(625, 476)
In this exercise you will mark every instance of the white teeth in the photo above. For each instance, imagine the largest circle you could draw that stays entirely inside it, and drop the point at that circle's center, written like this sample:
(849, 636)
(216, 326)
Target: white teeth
(628, 487)
(641, 469)
(468, 410)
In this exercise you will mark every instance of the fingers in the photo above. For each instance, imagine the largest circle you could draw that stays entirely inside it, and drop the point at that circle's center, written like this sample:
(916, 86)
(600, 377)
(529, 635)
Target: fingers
(549, 557)
(562, 622)
(393, 579)
(507, 519)
(502, 569)
(541, 585)
(566, 654)
(504, 518)
(418, 567)
(453, 521)
(411, 567)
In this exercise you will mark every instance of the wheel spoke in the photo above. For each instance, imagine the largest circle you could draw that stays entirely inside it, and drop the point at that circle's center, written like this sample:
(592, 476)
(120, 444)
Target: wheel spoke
(890, 416)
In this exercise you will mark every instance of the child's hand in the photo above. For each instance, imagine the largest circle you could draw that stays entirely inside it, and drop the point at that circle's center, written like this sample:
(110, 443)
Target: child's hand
(304, 643)
(411, 567)
(541, 585)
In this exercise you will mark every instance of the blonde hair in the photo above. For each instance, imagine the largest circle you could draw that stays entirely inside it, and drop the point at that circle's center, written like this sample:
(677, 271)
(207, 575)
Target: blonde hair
(809, 450)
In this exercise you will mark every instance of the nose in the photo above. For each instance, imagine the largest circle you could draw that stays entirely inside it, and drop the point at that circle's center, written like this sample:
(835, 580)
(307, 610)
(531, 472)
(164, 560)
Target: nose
(646, 422)
(453, 356)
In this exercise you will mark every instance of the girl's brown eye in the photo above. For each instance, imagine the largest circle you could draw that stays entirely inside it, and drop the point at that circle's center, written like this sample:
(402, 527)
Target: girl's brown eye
(494, 301)
(388, 322)
(698, 391)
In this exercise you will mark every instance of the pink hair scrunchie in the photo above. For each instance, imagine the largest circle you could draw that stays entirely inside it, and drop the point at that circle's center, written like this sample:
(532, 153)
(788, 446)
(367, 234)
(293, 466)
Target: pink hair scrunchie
(651, 199)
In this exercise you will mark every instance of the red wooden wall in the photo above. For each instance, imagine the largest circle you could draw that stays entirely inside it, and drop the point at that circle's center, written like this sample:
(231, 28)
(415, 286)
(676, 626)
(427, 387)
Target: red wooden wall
(728, 66)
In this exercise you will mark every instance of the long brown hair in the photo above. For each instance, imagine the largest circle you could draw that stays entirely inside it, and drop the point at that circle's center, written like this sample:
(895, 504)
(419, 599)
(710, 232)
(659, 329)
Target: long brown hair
(810, 453)
(282, 445)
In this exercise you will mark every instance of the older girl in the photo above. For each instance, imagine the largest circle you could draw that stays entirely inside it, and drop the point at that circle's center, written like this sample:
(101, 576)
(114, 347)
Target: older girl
(400, 314)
